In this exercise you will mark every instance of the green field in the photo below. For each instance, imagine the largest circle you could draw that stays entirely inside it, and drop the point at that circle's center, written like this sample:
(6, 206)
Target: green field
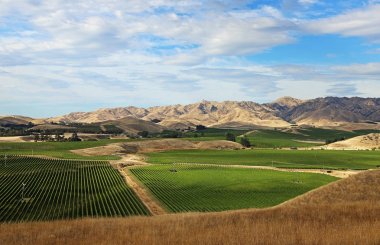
(278, 158)
(55, 149)
(266, 138)
(212, 134)
(63, 189)
(280, 139)
(212, 188)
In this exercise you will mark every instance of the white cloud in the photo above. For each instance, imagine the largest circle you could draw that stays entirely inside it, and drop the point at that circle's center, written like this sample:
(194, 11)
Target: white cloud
(115, 53)
(308, 2)
(74, 30)
(359, 69)
(362, 22)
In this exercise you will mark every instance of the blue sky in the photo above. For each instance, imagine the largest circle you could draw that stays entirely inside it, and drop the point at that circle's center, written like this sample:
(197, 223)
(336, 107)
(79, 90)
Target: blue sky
(62, 56)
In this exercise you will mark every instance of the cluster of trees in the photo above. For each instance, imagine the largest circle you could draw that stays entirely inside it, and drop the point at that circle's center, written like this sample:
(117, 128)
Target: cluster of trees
(13, 132)
(244, 141)
(200, 127)
(9, 129)
(329, 141)
(143, 134)
(94, 128)
(163, 134)
(57, 137)
(230, 137)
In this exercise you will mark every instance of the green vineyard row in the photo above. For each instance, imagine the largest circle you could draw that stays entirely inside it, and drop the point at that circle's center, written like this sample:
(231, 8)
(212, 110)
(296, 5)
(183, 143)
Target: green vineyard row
(201, 188)
(34, 188)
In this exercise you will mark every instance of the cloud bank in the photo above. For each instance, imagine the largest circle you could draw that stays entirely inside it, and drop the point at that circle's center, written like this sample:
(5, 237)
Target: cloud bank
(60, 56)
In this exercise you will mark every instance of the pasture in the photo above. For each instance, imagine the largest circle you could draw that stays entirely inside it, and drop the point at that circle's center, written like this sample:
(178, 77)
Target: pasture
(319, 159)
(269, 138)
(186, 187)
(304, 137)
(63, 189)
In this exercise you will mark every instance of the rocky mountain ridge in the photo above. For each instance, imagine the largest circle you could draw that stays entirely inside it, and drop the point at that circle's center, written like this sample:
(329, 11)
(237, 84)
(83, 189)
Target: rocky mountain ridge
(328, 111)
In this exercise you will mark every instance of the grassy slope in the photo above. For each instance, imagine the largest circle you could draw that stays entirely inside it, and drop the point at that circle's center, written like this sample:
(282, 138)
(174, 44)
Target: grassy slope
(279, 139)
(211, 188)
(212, 134)
(345, 214)
(280, 158)
(55, 149)
(275, 138)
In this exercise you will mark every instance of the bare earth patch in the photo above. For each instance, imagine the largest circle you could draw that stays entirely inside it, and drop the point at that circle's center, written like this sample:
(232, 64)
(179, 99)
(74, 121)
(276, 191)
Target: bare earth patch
(16, 139)
(145, 197)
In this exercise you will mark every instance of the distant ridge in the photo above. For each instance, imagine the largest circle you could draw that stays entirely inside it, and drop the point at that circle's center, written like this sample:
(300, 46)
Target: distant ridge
(328, 111)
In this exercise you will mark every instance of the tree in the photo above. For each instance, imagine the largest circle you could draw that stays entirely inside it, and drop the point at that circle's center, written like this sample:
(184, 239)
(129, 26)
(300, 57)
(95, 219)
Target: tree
(200, 127)
(230, 137)
(59, 137)
(143, 134)
(75, 137)
(245, 142)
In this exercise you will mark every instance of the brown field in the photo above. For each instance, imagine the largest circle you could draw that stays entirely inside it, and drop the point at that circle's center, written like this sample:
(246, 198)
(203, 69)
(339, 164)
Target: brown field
(344, 212)
(17, 139)
(145, 146)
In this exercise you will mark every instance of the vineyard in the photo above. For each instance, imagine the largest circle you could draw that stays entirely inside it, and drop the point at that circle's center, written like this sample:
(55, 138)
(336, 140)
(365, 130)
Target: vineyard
(185, 187)
(45, 189)
(320, 159)
(56, 149)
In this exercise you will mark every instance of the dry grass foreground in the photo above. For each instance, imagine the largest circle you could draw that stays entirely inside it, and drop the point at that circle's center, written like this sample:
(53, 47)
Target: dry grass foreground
(344, 212)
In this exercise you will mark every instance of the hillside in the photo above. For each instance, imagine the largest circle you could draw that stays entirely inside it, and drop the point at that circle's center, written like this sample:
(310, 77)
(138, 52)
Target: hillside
(284, 104)
(343, 212)
(329, 111)
(365, 142)
(332, 111)
(206, 112)
(358, 189)
(19, 120)
(6, 120)
(134, 125)
(348, 113)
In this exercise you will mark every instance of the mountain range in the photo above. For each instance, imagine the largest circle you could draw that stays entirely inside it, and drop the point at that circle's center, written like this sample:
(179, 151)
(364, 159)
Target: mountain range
(328, 111)
(285, 111)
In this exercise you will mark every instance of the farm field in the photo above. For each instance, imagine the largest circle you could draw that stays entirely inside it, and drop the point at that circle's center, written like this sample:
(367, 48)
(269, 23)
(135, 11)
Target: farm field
(63, 189)
(278, 139)
(212, 134)
(56, 149)
(300, 138)
(212, 188)
(344, 212)
(266, 138)
(278, 158)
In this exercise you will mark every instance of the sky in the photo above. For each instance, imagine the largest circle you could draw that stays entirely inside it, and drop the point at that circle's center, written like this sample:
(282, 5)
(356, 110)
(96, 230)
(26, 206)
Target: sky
(61, 56)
